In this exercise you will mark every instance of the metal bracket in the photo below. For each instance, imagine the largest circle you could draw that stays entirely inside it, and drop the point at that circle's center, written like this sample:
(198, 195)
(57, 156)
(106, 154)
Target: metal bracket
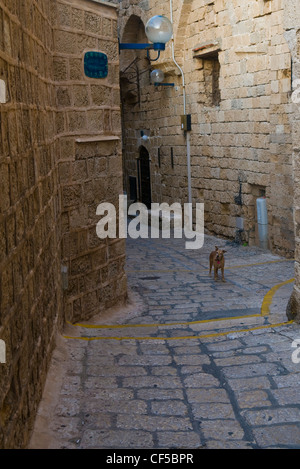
(140, 46)
(164, 84)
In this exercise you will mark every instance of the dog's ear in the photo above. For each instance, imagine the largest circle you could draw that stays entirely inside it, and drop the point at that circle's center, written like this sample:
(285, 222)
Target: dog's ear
(216, 248)
(224, 251)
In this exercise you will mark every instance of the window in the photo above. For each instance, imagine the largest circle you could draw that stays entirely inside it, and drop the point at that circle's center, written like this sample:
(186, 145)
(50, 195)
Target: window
(209, 70)
(211, 67)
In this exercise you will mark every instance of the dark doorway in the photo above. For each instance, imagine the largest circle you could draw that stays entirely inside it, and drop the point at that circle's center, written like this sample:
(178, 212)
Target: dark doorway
(145, 183)
(132, 188)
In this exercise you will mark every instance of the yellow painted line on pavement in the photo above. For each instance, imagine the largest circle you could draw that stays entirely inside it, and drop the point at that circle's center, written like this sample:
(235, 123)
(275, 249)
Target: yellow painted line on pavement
(204, 270)
(265, 311)
(267, 301)
(258, 263)
(203, 336)
(129, 326)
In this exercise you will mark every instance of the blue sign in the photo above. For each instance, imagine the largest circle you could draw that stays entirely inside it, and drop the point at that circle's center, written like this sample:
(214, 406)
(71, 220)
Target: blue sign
(95, 65)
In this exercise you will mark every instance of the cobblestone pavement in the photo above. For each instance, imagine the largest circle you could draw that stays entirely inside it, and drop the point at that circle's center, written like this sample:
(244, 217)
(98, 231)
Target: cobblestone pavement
(189, 363)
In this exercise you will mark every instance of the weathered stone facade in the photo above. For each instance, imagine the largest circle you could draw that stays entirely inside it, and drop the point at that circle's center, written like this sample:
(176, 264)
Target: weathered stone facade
(292, 35)
(60, 156)
(90, 166)
(236, 66)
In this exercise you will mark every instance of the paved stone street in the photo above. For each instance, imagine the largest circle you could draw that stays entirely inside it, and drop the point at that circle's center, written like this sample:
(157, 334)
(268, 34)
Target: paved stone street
(189, 363)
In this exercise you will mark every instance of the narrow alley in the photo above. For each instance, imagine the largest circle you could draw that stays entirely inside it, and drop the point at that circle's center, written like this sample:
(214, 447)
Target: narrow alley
(190, 363)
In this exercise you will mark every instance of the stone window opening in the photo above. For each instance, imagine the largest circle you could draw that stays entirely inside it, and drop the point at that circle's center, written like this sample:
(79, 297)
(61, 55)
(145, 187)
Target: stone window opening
(211, 80)
(208, 64)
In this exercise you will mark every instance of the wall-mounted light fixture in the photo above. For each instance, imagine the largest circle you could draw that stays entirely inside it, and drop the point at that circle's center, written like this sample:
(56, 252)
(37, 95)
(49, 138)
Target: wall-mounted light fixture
(159, 31)
(144, 137)
(157, 77)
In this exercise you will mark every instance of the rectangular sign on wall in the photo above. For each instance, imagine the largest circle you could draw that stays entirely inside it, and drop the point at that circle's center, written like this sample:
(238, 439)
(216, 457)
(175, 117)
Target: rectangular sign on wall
(95, 65)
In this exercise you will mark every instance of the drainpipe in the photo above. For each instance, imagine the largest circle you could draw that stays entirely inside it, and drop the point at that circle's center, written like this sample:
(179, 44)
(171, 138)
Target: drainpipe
(187, 133)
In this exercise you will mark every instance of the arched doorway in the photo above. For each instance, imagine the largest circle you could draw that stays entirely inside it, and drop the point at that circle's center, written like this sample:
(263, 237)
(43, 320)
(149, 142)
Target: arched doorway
(144, 177)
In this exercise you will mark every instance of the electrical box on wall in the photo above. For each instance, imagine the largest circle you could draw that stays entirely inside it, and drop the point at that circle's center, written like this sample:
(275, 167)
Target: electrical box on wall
(186, 122)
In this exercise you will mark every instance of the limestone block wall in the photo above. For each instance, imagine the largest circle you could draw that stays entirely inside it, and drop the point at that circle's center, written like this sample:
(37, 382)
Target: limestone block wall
(90, 161)
(31, 293)
(292, 35)
(237, 72)
(60, 156)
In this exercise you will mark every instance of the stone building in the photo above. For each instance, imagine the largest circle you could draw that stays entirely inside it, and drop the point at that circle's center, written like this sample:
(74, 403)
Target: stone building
(229, 70)
(291, 23)
(60, 156)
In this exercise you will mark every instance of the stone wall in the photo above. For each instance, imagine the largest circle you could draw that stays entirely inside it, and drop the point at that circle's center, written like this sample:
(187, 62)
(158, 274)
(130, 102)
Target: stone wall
(90, 161)
(237, 72)
(291, 25)
(60, 156)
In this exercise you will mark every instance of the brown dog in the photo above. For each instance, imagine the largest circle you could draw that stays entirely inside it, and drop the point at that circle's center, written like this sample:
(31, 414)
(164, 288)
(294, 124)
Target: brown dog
(217, 260)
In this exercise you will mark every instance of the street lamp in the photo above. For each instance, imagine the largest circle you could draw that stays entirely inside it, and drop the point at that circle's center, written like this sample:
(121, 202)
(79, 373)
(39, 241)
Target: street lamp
(158, 30)
(157, 77)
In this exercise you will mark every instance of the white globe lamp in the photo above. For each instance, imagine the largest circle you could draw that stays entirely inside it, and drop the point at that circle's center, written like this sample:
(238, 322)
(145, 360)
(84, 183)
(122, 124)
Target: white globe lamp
(157, 76)
(159, 30)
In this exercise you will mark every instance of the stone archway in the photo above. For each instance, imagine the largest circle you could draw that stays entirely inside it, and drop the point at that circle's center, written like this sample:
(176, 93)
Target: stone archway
(134, 77)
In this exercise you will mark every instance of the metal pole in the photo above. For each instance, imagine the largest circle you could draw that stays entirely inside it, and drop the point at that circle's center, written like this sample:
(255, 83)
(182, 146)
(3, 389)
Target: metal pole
(188, 153)
(188, 144)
